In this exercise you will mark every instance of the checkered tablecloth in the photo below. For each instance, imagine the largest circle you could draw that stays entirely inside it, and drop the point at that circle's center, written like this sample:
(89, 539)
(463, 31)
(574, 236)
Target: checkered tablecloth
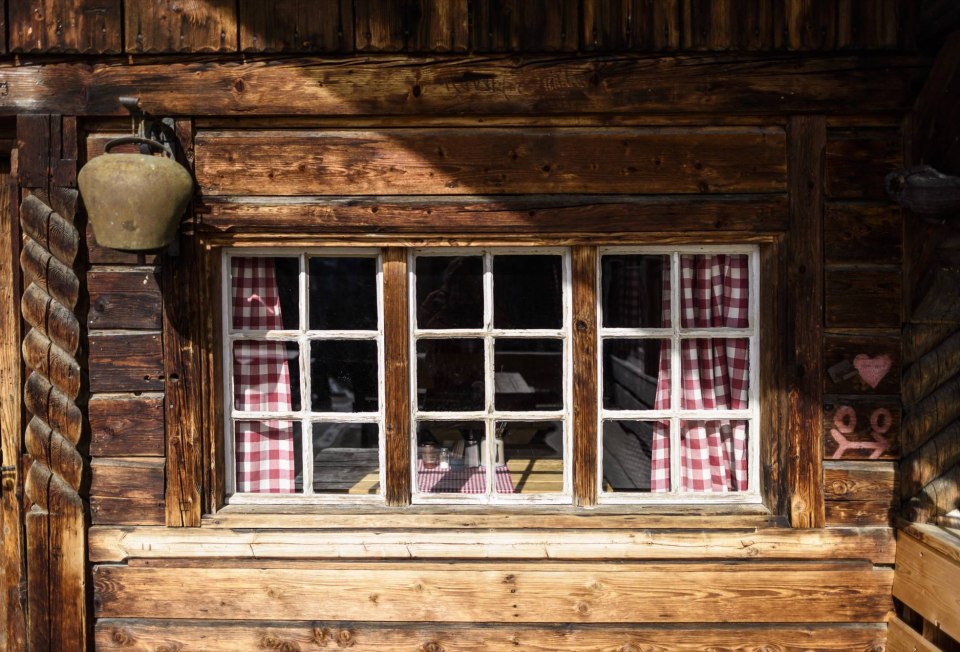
(461, 480)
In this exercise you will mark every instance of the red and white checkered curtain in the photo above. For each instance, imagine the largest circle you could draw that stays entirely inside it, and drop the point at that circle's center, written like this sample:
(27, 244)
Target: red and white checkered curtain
(261, 381)
(714, 293)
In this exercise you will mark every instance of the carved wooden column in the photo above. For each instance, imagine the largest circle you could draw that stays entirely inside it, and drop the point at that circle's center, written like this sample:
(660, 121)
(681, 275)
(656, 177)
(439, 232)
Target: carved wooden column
(55, 524)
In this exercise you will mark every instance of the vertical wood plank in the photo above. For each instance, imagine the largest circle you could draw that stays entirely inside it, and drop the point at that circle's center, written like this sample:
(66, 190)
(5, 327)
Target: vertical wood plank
(773, 444)
(209, 291)
(868, 24)
(296, 26)
(807, 140)
(811, 24)
(585, 391)
(397, 376)
(412, 25)
(529, 26)
(178, 26)
(84, 26)
(33, 146)
(728, 25)
(642, 25)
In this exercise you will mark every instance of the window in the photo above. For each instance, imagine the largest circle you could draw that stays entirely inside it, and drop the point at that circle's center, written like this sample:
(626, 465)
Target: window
(491, 381)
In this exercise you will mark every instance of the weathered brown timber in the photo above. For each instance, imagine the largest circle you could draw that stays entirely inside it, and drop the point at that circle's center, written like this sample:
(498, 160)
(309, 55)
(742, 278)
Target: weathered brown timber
(52, 362)
(174, 26)
(211, 373)
(127, 298)
(862, 233)
(860, 513)
(396, 375)
(774, 448)
(903, 638)
(858, 162)
(476, 215)
(726, 25)
(853, 481)
(585, 399)
(632, 25)
(120, 544)
(127, 491)
(86, 26)
(504, 85)
(941, 301)
(868, 23)
(33, 153)
(491, 161)
(54, 319)
(806, 154)
(857, 427)
(126, 425)
(533, 26)
(295, 26)
(811, 24)
(931, 415)
(940, 497)
(938, 453)
(225, 636)
(50, 230)
(417, 25)
(934, 138)
(929, 583)
(863, 298)
(865, 365)
(932, 370)
(125, 362)
(49, 274)
(920, 339)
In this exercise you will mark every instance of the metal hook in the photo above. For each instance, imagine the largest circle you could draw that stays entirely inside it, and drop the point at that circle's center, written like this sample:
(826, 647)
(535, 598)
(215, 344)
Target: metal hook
(137, 115)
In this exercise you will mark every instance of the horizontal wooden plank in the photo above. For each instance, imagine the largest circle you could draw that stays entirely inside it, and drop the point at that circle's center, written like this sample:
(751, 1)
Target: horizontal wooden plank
(171, 26)
(491, 161)
(508, 592)
(862, 298)
(121, 544)
(128, 635)
(124, 299)
(127, 491)
(859, 427)
(928, 582)
(125, 362)
(861, 513)
(862, 233)
(126, 425)
(501, 84)
(858, 161)
(903, 638)
(477, 215)
(98, 255)
(860, 481)
(943, 540)
(864, 365)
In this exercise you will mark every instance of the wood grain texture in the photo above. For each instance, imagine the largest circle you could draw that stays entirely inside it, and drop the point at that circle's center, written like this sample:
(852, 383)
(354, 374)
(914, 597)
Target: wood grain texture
(726, 25)
(935, 456)
(127, 491)
(585, 391)
(125, 362)
(868, 24)
(411, 25)
(180, 26)
(806, 154)
(858, 161)
(491, 161)
(297, 26)
(640, 25)
(223, 636)
(931, 415)
(84, 26)
(863, 298)
(934, 132)
(853, 481)
(857, 427)
(861, 513)
(547, 85)
(811, 24)
(124, 298)
(52, 362)
(49, 229)
(121, 544)
(855, 233)
(867, 365)
(934, 369)
(511, 592)
(529, 26)
(903, 638)
(126, 425)
(56, 279)
(396, 376)
(929, 583)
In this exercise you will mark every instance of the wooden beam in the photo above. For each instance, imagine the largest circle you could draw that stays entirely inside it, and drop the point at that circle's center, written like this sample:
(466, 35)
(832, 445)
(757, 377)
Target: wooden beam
(499, 85)
(585, 392)
(903, 638)
(806, 156)
(397, 376)
(928, 582)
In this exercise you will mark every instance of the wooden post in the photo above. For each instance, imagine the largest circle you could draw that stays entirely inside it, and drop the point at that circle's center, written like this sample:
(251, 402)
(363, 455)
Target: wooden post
(585, 375)
(396, 352)
(807, 141)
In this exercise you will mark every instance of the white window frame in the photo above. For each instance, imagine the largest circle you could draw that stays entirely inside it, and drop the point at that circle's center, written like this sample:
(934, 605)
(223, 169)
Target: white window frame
(675, 333)
(306, 417)
(489, 415)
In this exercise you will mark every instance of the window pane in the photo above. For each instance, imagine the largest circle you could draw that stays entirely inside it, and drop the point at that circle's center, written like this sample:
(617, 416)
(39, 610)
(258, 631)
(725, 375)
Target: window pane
(264, 293)
(716, 373)
(344, 376)
(268, 457)
(528, 374)
(527, 292)
(636, 456)
(449, 457)
(714, 291)
(636, 374)
(449, 291)
(346, 458)
(450, 375)
(713, 455)
(266, 376)
(529, 457)
(635, 291)
(343, 293)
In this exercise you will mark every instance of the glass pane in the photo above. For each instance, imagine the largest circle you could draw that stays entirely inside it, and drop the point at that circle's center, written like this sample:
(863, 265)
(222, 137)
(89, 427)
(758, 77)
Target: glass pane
(636, 374)
(266, 376)
(713, 455)
(269, 457)
(527, 292)
(343, 293)
(344, 376)
(450, 375)
(635, 291)
(449, 457)
(716, 373)
(449, 291)
(264, 293)
(636, 456)
(714, 291)
(528, 374)
(529, 457)
(346, 458)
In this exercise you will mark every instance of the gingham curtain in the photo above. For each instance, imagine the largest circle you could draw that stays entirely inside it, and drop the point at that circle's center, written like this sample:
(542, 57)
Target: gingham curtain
(714, 292)
(261, 381)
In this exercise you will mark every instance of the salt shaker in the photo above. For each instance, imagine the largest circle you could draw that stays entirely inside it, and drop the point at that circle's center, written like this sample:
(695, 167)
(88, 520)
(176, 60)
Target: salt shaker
(444, 459)
(471, 453)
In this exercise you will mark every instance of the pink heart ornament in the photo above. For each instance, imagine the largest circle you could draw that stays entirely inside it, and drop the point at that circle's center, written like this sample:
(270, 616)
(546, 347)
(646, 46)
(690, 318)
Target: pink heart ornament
(872, 370)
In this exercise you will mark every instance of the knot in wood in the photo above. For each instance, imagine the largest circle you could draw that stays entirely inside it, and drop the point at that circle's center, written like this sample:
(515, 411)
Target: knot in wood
(431, 646)
(271, 642)
(583, 608)
(346, 638)
(122, 637)
(320, 636)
